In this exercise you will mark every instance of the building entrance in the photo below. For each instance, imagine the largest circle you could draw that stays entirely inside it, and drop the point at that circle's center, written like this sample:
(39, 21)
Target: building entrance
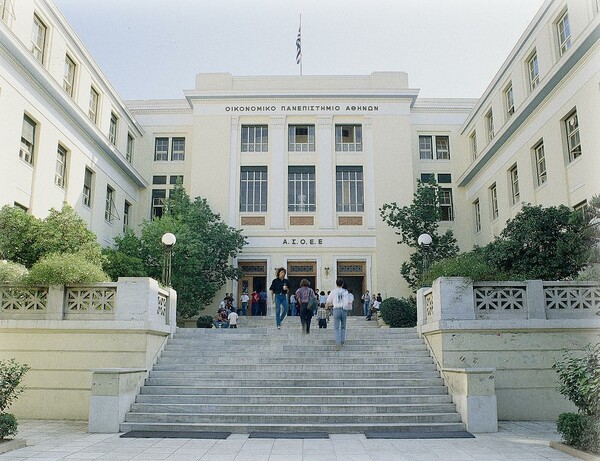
(254, 279)
(298, 270)
(354, 274)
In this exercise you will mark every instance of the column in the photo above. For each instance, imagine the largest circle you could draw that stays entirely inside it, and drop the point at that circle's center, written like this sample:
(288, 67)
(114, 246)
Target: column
(234, 166)
(325, 172)
(369, 173)
(277, 172)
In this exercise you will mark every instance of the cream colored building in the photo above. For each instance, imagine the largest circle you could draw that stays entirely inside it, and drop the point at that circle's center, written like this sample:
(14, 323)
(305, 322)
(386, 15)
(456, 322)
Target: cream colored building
(302, 163)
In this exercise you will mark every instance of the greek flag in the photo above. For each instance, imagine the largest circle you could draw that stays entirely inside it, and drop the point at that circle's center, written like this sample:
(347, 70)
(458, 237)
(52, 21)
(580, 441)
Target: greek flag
(299, 46)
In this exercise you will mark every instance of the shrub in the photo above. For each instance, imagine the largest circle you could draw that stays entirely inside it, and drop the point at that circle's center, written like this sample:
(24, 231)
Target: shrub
(204, 321)
(580, 431)
(398, 313)
(64, 269)
(118, 264)
(11, 374)
(12, 272)
(472, 265)
(8, 425)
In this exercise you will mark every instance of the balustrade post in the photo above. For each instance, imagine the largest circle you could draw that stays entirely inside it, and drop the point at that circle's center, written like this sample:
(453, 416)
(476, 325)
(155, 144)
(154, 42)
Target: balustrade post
(135, 296)
(453, 299)
(536, 301)
(55, 306)
(421, 308)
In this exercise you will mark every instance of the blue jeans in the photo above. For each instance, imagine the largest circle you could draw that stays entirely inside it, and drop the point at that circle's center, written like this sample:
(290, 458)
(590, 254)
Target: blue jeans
(339, 325)
(281, 307)
(244, 308)
(367, 308)
(293, 309)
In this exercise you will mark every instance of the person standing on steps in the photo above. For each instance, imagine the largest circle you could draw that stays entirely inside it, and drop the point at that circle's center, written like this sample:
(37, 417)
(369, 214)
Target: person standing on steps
(244, 302)
(304, 295)
(366, 299)
(279, 291)
(338, 300)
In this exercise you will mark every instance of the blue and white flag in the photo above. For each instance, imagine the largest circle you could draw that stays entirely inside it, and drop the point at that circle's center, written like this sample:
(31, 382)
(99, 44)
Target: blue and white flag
(299, 46)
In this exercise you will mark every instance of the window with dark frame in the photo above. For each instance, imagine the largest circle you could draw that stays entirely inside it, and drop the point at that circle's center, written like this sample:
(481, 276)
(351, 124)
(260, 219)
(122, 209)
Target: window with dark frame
(60, 178)
(161, 149)
(178, 149)
(348, 138)
(573, 139)
(255, 138)
(87, 188)
(349, 189)
(540, 163)
(301, 138)
(26, 151)
(253, 189)
(301, 188)
(446, 205)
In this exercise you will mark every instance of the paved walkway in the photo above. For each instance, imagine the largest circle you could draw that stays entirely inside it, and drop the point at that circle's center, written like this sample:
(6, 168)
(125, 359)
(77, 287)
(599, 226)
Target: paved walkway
(52, 440)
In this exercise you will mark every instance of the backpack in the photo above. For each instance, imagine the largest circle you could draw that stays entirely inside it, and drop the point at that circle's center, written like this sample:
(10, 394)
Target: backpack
(312, 302)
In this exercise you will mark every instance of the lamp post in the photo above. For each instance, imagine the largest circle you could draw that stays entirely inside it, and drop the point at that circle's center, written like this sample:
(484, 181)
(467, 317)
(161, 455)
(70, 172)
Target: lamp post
(424, 242)
(168, 241)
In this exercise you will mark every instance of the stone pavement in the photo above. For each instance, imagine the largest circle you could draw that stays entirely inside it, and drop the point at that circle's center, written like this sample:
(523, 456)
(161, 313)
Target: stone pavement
(68, 440)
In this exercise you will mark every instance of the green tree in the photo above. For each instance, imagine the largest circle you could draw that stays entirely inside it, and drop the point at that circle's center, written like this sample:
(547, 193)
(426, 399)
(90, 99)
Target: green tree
(421, 216)
(202, 256)
(549, 243)
(18, 232)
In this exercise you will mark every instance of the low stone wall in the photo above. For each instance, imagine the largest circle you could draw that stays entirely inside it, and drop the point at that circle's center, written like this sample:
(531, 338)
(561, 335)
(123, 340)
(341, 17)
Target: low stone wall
(515, 329)
(63, 333)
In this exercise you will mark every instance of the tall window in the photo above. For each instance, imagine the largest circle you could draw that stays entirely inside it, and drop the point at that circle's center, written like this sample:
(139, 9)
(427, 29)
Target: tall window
(534, 71)
(69, 77)
(477, 215)
(301, 188)
(494, 201)
(255, 138)
(60, 178)
(446, 206)
(514, 185)
(38, 39)
(94, 102)
(473, 144)
(489, 124)
(161, 149)
(348, 138)
(129, 152)
(563, 30)
(540, 163)
(126, 215)
(573, 139)
(349, 188)
(6, 11)
(27, 140)
(441, 144)
(109, 204)
(158, 202)
(87, 188)
(253, 189)
(112, 129)
(509, 100)
(178, 149)
(301, 138)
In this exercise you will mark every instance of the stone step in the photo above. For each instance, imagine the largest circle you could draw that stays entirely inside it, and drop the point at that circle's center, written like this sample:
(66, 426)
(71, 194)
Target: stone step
(319, 359)
(291, 408)
(285, 373)
(293, 390)
(303, 347)
(299, 367)
(292, 418)
(293, 382)
(327, 353)
(243, 396)
(293, 340)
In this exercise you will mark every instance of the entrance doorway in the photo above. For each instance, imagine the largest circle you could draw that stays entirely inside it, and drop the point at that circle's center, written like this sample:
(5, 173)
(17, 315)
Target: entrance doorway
(298, 270)
(354, 275)
(253, 279)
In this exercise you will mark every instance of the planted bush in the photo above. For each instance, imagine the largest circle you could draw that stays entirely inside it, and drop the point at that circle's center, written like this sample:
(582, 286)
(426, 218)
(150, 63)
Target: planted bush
(472, 265)
(398, 313)
(11, 374)
(64, 269)
(204, 321)
(11, 272)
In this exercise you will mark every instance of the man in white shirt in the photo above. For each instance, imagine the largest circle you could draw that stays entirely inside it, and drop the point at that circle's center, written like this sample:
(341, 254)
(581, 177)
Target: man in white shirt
(338, 300)
(244, 302)
(232, 318)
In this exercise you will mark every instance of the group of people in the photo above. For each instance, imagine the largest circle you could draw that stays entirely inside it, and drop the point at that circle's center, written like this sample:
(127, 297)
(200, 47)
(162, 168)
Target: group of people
(226, 317)
(370, 305)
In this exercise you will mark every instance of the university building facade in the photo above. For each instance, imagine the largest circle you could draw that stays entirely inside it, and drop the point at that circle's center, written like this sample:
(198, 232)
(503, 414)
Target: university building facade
(302, 163)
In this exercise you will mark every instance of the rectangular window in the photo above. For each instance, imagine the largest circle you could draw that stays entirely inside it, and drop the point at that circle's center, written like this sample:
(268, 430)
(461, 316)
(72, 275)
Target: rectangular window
(109, 204)
(563, 30)
(161, 149)
(176, 179)
(473, 144)
(158, 202)
(159, 180)
(446, 206)
(425, 148)
(301, 138)
(301, 188)
(6, 11)
(494, 201)
(509, 100)
(94, 102)
(349, 188)
(534, 71)
(112, 129)
(582, 209)
(489, 125)
(38, 39)
(514, 185)
(573, 140)
(126, 213)
(69, 77)
(27, 140)
(255, 138)
(348, 138)
(253, 189)
(178, 149)
(129, 153)
(540, 163)
(87, 188)
(442, 147)
(477, 215)
(60, 178)
(426, 177)
(444, 178)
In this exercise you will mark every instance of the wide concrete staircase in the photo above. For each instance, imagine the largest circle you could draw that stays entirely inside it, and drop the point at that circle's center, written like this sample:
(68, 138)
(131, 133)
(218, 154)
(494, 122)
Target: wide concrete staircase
(260, 379)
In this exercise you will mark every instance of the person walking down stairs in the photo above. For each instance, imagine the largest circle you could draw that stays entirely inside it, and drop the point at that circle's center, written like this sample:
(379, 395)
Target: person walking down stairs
(279, 292)
(338, 300)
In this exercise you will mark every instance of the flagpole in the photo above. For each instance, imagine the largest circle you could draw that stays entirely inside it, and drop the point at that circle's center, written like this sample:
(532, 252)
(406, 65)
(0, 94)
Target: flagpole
(299, 45)
(300, 39)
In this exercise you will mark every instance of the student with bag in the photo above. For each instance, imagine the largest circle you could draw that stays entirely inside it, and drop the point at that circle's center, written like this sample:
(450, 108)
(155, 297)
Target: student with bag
(338, 300)
(308, 301)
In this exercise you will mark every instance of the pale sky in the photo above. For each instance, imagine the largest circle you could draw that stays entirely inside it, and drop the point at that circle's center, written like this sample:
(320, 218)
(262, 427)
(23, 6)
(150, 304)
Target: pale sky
(152, 49)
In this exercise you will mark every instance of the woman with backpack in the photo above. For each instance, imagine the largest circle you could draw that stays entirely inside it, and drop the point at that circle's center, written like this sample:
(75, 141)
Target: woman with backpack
(307, 301)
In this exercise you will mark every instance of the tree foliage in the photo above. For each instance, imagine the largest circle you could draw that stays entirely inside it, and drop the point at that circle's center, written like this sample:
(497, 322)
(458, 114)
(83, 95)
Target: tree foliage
(18, 232)
(65, 269)
(202, 256)
(410, 221)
